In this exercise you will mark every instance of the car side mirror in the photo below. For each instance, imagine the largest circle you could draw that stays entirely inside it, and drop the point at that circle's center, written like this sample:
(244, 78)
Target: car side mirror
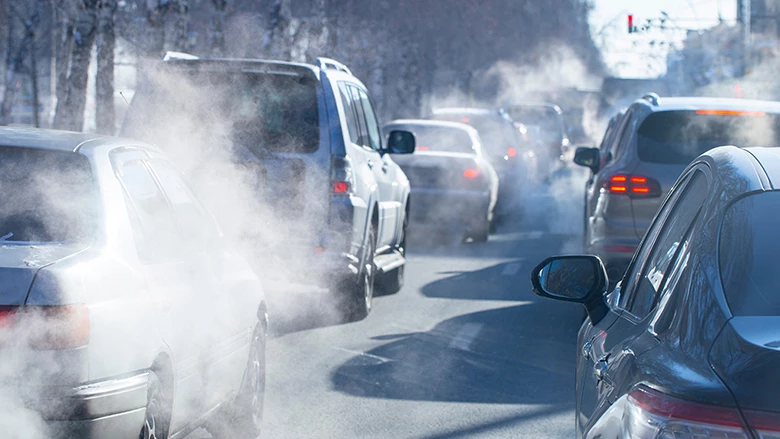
(588, 157)
(400, 142)
(578, 279)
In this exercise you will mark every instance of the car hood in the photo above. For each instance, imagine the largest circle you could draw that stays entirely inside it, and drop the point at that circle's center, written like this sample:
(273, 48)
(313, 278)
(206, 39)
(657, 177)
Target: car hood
(746, 355)
(20, 263)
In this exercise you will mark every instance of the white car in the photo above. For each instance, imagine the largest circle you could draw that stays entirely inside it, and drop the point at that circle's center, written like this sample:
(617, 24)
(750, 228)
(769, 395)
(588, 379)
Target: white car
(123, 313)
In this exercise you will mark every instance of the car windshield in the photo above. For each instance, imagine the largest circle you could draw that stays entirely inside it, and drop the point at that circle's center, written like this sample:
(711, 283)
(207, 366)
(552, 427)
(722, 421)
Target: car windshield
(543, 120)
(47, 196)
(263, 112)
(442, 139)
(496, 133)
(748, 255)
(678, 137)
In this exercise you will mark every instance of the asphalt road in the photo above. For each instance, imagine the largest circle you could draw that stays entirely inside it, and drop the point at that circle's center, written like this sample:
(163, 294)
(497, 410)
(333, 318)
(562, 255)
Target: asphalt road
(465, 349)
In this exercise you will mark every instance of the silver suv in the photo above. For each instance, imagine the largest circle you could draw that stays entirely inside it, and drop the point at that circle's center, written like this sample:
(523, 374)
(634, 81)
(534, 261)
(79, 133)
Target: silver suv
(644, 151)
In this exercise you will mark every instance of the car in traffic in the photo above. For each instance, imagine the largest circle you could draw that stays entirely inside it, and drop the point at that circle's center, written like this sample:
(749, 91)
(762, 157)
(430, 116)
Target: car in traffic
(644, 152)
(546, 123)
(507, 145)
(124, 312)
(686, 344)
(335, 200)
(454, 187)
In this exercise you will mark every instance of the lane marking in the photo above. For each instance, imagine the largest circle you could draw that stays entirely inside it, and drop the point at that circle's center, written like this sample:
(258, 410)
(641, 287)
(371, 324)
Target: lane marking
(510, 269)
(364, 354)
(465, 336)
(536, 234)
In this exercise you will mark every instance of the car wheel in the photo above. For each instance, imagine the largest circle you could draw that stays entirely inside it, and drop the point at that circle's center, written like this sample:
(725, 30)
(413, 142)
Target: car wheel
(359, 295)
(480, 232)
(392, 282)
(158, 415)
(493, 223)
(244, 416)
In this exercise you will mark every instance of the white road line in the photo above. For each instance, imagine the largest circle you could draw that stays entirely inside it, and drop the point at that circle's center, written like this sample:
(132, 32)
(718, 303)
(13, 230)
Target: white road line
(465, 336)
(535, 234)
(364, 354)
(510, 269)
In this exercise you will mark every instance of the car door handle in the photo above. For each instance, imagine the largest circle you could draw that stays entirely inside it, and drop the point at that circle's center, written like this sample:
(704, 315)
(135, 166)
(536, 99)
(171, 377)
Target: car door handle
(600, 369)
(586, 348)
(384, 167)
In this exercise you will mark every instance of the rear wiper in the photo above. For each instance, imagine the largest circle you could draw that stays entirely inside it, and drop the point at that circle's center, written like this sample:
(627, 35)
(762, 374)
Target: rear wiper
(5, 237)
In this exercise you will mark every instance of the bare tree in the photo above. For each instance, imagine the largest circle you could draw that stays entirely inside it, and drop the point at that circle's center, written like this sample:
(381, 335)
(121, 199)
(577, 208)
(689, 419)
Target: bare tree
(218, 30)
(10, 69)
(104, 81)
(62, 49)
(70, 111)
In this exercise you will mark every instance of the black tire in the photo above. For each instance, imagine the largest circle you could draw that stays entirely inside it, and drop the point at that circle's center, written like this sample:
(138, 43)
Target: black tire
(243, 417)
(359, 293)
(481, 231)
(157, 421)
(393, 281)
(493, 224)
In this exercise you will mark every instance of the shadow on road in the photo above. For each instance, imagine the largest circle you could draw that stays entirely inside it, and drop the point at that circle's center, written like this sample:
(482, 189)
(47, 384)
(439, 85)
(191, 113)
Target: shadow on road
(521, 354)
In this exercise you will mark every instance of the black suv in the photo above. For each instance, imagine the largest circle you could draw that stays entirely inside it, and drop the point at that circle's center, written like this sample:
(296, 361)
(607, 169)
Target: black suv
(330, 203)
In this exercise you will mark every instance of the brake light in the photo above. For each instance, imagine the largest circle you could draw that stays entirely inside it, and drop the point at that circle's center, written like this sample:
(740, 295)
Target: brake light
(636, 186)
(732, 113)
(652, 414)
(766, 424)
(341, 176)
(45, 327)
(422, 148)
(511, 152)
(465, 120)
(471, 173)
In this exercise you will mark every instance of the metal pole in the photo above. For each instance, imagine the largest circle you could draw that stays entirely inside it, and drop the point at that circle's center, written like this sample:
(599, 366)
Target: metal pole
(746, 46)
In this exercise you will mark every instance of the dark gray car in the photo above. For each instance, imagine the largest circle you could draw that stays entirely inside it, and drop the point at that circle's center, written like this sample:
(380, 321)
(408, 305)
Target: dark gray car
(647, 148)
(686, 345)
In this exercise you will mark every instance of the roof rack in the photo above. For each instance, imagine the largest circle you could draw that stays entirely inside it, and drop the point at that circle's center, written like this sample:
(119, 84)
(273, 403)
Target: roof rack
(170, 55)
(327, 63)
(652, 98)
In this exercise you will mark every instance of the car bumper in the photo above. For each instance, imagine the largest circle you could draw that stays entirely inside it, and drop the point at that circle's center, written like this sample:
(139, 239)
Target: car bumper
(111, 408)
(447, 209)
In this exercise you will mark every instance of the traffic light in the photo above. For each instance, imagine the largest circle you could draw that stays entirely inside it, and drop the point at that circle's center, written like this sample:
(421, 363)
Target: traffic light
(630, 23)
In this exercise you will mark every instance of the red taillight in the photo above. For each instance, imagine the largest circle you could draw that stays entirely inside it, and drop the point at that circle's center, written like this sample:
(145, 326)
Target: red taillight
(340, 187)
(732, 113)
(672, 408)
(471, 173)
(45, 327)
(633, 185)
(764, 422)
(511, 152)
(422, 148)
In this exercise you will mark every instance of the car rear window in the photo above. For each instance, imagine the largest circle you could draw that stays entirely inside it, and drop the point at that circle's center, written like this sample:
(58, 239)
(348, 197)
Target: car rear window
(748, 255)
(545, 120)
(496, 133)
(442, 139)
(678, 137)
(47, 196)
(263, 112)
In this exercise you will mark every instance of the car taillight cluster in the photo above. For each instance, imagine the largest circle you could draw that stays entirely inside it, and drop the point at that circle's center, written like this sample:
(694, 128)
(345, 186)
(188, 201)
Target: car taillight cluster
(44, 327)
(635, 186)
(471, 174)
(341, 176)
(652, 414)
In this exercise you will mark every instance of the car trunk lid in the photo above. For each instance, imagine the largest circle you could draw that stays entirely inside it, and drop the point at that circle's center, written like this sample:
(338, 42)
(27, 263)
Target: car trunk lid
(20, 263)
(438, 170)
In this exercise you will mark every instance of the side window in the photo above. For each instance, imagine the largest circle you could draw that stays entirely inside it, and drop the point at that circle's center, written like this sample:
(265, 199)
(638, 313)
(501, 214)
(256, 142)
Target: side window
(350, 114)
(622, 135)
(374, 137)
(193, 221)
(364, 139)
(641, 294)
(154, 227)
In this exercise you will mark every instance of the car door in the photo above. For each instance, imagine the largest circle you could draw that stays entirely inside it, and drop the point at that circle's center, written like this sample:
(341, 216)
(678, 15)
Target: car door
(385, 174)
(169, 274)
(225, 315)
(609, 348)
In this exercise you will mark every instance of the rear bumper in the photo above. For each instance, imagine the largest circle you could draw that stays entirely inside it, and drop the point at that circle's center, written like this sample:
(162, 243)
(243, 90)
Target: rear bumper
(111, 408)
(447, 209)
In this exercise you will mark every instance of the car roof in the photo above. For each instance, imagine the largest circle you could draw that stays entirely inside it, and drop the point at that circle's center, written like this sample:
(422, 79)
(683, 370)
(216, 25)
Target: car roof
(245, 65)
(463, 110)
(704, 103)
(769, 161)
(551, 106)
(431, 123)
(59, 140)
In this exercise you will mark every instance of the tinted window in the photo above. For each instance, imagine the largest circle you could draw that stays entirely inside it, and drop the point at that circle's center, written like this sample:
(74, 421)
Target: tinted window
(442, 139)
(263, 112)
(350, 114)
(364, 140)
(193, 222)
(47, 196)
(497, 133)
(157, 237)
(373, 125)
(749, 253)
(664, 249)
(678, 137)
